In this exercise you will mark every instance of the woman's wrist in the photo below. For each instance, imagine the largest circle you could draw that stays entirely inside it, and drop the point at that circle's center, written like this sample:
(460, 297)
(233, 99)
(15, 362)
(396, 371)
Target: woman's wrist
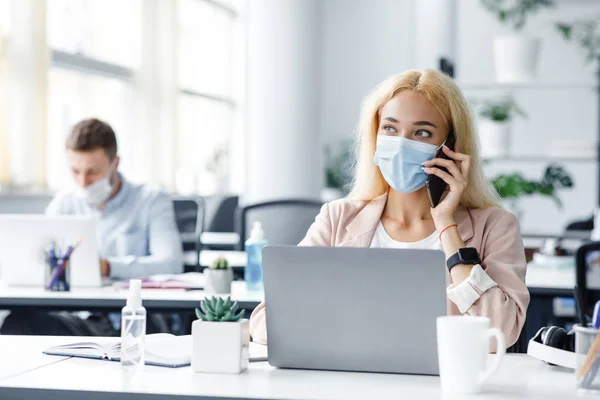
(442, 224)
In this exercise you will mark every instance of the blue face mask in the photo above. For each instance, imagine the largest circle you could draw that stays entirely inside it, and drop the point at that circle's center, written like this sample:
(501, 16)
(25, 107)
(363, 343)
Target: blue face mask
(400, 161)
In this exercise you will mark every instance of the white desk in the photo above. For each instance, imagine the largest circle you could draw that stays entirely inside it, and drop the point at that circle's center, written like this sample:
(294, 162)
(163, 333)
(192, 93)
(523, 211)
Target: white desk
(220, 238)
(519, 377)
(235, 258)
(17, 355)
(111, 298)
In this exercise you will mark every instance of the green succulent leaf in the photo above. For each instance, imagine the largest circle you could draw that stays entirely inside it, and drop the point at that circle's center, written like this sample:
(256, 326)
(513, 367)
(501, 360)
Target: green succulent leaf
(219, 308)
(227, 316)
(227, 304)
(199, 314)
(239, 315)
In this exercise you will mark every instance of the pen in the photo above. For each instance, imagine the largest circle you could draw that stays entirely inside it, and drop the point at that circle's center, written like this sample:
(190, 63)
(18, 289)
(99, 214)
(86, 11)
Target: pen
(596, 319)
(66, 258)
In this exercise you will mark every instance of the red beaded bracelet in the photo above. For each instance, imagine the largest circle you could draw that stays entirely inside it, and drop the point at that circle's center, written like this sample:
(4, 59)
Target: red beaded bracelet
(445, 229)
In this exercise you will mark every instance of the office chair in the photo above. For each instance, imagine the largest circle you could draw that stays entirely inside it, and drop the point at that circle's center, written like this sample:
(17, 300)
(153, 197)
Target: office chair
(189, 215)
(589, 296)
(223, 220)
(284, 222)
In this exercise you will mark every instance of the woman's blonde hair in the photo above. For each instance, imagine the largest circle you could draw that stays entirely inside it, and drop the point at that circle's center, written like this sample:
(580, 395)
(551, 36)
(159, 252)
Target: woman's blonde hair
(446, 97)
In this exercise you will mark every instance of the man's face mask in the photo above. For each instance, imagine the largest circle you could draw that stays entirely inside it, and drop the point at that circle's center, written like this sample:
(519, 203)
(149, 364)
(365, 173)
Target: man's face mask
(98, 192)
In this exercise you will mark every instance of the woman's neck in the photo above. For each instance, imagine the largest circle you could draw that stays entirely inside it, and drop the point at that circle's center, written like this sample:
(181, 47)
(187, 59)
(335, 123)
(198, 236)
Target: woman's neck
(408, 208)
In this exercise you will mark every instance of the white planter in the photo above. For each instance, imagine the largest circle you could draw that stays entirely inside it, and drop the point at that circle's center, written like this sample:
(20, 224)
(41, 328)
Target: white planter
(494, 138)
(331, 194)
(220, 347)
(218, 280)
(515, 58)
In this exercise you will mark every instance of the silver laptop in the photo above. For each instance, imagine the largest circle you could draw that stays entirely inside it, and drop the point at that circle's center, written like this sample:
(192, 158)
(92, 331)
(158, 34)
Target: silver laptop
(23, 239)
(354, 309)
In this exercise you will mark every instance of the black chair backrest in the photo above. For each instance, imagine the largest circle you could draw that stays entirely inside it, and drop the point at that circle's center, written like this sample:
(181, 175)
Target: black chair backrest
(189, 214)
(284, 222)
(223, 219)
(587, 256)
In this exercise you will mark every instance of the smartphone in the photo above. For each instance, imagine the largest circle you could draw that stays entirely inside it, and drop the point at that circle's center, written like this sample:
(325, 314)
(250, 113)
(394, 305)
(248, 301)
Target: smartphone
(436, 185)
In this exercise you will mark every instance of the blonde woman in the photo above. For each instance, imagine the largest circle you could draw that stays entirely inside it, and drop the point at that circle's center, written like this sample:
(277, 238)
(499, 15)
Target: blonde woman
(404, 121)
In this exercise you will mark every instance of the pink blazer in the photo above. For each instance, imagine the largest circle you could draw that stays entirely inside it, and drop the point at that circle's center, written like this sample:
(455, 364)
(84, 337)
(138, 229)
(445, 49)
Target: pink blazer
(493, 232)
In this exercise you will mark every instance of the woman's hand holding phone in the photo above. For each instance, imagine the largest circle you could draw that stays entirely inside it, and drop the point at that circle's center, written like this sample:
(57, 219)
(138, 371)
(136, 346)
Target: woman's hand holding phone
(457, 177)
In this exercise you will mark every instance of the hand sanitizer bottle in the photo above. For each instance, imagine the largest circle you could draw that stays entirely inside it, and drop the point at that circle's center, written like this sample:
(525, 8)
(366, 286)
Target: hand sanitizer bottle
(253, 273)
(133, 328)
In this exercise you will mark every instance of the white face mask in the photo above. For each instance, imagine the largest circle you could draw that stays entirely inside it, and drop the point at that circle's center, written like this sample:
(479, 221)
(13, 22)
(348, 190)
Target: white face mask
(98, 192)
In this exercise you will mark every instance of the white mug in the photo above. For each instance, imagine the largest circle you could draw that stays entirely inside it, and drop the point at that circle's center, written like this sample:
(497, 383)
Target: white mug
(463, 346)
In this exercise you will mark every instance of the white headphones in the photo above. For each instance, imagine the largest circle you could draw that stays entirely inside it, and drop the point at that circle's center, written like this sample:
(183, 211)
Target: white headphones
(554, 346)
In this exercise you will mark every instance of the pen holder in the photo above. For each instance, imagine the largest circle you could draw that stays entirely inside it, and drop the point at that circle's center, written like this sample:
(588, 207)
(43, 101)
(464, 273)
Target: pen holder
(587, 350)
(58, 274)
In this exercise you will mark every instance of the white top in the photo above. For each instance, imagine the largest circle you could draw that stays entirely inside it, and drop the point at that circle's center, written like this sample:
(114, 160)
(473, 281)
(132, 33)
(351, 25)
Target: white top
(519, 376)
(382, 239)
(465, 294)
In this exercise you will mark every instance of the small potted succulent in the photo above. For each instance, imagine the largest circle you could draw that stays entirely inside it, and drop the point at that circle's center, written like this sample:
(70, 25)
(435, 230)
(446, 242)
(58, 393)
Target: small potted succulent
(220, 337)
(218, 277)
(515, 54)
(494, 126)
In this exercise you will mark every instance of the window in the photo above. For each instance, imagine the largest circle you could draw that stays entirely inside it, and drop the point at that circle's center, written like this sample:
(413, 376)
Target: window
(74, 96)
(206, 107)
(105, 30)
(95, 54)
(165, 74)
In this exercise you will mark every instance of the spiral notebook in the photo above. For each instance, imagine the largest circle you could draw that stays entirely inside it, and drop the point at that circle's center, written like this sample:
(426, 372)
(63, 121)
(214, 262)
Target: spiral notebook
(162, 349)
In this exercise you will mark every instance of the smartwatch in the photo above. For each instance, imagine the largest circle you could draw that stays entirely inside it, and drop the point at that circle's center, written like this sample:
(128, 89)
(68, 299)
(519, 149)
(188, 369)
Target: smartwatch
(466, 255)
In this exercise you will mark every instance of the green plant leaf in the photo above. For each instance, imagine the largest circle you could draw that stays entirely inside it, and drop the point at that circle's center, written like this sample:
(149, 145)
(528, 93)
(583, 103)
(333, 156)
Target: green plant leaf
(227, 316)
(210, 317)
(227, 304)
(234, 307)
(199, 314)
(219, 307)
(207, 304)
(239, 315)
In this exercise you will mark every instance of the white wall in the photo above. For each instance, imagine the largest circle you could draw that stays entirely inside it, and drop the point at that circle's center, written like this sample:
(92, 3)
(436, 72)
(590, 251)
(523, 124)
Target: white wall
(366, 41)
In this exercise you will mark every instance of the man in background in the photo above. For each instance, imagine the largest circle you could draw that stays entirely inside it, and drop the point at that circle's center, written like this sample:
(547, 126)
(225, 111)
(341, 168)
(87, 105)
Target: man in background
(137, 232)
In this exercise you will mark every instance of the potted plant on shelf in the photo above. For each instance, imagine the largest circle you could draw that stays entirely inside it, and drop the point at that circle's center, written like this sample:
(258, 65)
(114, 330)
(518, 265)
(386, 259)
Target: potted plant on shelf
(515, 55)
(338, 171)
(586, 32)
(494, 125)
(512, 187)
(220, 337)
(218, 277)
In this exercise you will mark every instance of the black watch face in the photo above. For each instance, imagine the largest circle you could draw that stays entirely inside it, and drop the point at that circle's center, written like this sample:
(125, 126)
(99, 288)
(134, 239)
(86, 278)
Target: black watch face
(469, 254)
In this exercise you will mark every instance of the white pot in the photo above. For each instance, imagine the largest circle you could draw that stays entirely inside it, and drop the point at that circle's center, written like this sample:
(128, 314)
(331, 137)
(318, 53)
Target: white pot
(218, 280)
(331, 194)
(515, 58)
(220, 347)
(494, 138)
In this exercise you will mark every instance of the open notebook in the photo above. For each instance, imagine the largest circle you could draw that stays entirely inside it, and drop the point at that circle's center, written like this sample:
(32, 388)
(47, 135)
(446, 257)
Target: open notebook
(162, 349)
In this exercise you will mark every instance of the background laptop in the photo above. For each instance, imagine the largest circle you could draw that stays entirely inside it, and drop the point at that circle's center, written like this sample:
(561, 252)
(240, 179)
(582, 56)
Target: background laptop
(23, 239)
(354, 309)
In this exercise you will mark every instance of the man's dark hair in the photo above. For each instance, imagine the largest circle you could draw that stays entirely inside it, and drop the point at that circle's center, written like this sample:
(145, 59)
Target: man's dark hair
(91, 134)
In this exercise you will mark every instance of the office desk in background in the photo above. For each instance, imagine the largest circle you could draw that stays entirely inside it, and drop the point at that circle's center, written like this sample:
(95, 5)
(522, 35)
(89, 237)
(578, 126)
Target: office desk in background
(110, 299)
(520, 376)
